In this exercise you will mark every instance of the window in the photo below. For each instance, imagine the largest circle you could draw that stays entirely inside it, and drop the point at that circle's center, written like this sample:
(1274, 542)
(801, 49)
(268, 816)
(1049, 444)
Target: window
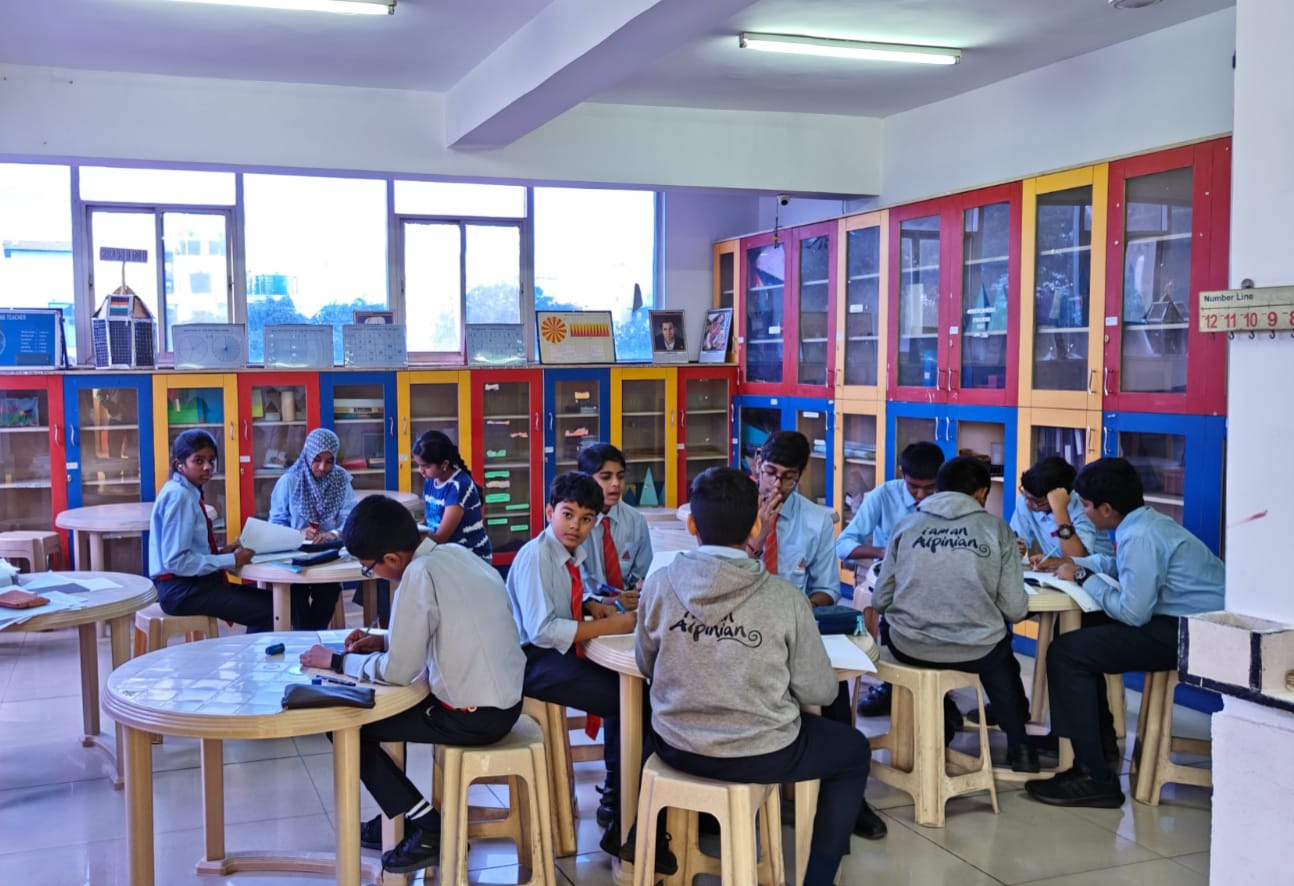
(595, 250)
(316, 252)
(460, 200)
(36, 241)
(116, 184)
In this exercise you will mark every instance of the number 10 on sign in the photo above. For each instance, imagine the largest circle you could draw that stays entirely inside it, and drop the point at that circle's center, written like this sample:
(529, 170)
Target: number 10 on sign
(1231, 310)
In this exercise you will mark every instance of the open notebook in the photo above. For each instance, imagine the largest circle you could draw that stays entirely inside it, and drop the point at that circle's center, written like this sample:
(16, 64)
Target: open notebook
(1073, 589)
(271, 541)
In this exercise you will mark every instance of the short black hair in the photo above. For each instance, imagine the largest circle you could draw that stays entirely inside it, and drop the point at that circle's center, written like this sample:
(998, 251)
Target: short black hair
(592, 458)
(725, 503)
(1053, 472)
(1112, 481)
(790, 449)
(577, 487)
(921, 460)
(964, 473)
(378, 526)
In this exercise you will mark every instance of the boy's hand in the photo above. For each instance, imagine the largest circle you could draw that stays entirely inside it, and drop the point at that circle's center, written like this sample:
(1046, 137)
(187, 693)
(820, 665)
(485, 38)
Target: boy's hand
(629, 599)
(1065, 569)
(243, 556)
(623, 622)
(317, 657)
(363, 642)
(1021, 546)
(1042, 563)
(769, 508)
(1058, 498)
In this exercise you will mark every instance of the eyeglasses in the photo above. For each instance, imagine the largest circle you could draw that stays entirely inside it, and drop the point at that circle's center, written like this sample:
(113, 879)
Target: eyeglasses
(782, 478)
(367, 571)
(1032, 499)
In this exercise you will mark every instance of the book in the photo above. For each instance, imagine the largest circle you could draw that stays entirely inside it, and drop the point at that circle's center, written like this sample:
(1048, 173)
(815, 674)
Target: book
(1073, 589)
(271, 541)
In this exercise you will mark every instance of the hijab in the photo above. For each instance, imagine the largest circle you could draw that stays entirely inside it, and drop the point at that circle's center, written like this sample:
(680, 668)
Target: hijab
(317, 501)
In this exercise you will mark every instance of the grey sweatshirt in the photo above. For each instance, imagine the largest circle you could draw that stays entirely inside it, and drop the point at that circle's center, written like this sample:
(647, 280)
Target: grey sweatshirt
(732, 652)
(951, 574)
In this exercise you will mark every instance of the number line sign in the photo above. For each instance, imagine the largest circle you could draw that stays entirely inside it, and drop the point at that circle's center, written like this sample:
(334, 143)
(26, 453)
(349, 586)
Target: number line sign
(1241, 310)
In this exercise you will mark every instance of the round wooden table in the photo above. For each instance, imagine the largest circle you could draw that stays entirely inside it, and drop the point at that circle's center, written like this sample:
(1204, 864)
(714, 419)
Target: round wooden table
(227, 688)
(114, 606)
(280, 582)
(410, 500)
(90, 525)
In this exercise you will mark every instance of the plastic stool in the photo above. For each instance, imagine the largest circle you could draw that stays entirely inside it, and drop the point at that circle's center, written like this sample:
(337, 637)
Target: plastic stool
(1155, 766)
(563, 810)
(154, 628)
(36, 548)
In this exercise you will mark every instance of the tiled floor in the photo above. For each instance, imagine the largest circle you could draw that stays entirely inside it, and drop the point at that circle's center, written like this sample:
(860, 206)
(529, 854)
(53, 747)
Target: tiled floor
(62, 823)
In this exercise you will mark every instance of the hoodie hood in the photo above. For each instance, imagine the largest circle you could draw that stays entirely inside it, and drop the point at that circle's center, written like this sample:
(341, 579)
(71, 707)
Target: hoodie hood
(710, 588)
(950, 505)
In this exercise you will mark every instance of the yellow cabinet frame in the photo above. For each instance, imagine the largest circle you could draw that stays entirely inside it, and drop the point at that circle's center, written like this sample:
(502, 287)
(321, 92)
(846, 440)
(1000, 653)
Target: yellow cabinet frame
(668, 377)
(405, 380)
(1028, 419)
(228, 442)
(844, 408)
(870, 393)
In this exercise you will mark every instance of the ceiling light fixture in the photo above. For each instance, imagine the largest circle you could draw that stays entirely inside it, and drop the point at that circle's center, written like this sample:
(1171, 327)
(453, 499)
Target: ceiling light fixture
(796, 44)
(1132, 4)
(343, 7)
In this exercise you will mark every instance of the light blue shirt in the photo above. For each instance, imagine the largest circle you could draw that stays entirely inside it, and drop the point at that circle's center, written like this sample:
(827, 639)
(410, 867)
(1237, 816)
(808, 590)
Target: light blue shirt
(177, 533)
(805, 553)
(539, 586)
(880, 512)
(632, 539)
(1039, 528)
(281, 508)
(1162, 568)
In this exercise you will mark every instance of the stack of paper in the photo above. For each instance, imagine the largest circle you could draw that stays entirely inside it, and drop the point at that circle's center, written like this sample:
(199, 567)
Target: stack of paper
(58, 602)
(271, 541)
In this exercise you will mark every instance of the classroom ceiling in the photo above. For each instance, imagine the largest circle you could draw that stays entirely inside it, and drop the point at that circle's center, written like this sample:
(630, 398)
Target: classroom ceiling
(508, 66)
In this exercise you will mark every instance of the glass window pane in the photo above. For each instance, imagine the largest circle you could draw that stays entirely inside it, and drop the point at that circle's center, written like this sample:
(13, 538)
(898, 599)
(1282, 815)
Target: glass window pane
(595, 250)
(120, 185)
(432, 286)
(1062, 289)
(125, 230)
(1160, 461)
(195, 269)
(316, 252)
(493, 273)
(460, 199)
(36, 241)
(986, 234)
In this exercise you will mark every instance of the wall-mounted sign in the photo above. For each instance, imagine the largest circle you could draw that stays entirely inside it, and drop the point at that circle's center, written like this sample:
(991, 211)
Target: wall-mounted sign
(1247, 310)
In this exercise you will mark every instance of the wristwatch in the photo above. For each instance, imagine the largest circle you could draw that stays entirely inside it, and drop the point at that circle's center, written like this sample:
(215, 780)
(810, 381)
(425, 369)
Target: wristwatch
(1065, 530)
(337, 663)
(1082, 574)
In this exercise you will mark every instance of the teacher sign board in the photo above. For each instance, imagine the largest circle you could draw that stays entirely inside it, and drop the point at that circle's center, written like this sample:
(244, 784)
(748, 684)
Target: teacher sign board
(32, 337)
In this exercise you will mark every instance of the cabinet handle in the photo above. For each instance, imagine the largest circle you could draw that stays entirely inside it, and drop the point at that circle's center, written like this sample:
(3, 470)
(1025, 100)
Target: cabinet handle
(1105, 439)
(58, 437)
(950, 378)
(1091, 439)
(73, 436)
(939, 385)
(536, 421)
(550, 421)
(404, 425)
(671, 418)
(831, 378)
(1105, 382)
(246, 430)
(948, 428)
(232, 435)
(682, 419)
(390, 426)
(1091, 381)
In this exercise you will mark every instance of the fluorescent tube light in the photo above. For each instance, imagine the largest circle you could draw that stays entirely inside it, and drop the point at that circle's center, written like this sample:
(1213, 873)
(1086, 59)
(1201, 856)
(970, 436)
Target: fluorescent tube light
(344, 7)
(833, 48)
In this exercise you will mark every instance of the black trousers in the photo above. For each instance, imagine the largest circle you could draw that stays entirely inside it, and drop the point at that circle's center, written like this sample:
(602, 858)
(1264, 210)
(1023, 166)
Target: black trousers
(1077, 663)
(213, 594)
(313, 606)
(429, 722)
(999, 673)
(837, 754)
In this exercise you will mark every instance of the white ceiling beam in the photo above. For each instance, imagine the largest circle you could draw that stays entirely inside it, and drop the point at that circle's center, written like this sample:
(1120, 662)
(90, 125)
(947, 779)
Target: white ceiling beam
(569, 52)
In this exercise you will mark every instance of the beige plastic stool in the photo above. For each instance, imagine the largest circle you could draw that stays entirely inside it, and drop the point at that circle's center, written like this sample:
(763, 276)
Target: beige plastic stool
(733, 804)
(154, 628)
(919, 763)
(36, 548)
(520, 757)
(1155, 766)
(563, 810)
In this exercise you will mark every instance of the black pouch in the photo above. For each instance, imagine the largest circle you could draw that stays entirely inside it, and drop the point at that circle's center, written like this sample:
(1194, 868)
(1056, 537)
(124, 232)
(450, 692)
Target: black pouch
(838, 619)
(309, 695)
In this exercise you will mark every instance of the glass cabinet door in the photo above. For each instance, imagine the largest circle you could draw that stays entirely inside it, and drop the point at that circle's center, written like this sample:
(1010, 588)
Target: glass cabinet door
(278, 431)
(1156, 281)
(506, 474)
(705, 425)
(725, 275)
(858, 463)
(642, 439)
(862, 305)
(359, 421)
(765, 293)
(575, 420)
(908, 431)
(1160, 462)
(986, 441)
(1062, 290)
(433, 406)
(814, 304)
(986, 253)
(1068, 443)
(813, 424)
(918, 303)
(203, 408)
(26, 477)
(108, 434)
(754, 424)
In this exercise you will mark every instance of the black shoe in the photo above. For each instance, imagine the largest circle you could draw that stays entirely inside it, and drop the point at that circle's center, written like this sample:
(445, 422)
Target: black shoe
(609, 805)
(1023, 758)
(666, 863)
(1049, 746)
(869, 825)
(370, 833)
(990, 718)
(953, 722)
(419, 849)
(877, 701)
(1076, 788)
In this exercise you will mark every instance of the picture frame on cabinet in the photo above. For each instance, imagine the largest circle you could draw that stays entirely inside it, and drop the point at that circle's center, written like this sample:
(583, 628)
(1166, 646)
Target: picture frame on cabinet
(668, 344)
(580, 337)
(715, 335)
(381, 318)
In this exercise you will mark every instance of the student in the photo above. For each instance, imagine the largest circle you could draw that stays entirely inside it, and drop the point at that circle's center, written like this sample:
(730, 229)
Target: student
(183, 560)
(869, 531)
(1048, 523)
(450, 616)
(1163, 572)
(951, 583)
(549, 605)
(315, 496)
(618, 550)
(451, 498)
(732, 653)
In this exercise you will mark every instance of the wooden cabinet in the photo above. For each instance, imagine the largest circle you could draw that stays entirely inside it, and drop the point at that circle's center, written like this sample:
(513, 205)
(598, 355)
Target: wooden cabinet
(704, 422)
(208, 401)
(506, 405)
(726, 267)
(644, 425)
(33, 440)
(862, 306)
(360, 408)
(109, 438)
(577, 410)
(432, 400)
(758, 417)
(1072, 434)
(859, 460)
(276, 410)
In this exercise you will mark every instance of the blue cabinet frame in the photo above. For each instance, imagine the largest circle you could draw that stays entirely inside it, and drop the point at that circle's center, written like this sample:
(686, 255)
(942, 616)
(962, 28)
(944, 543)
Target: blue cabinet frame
(748, 436)
(328, 384)
(73, 385)
(602, 378)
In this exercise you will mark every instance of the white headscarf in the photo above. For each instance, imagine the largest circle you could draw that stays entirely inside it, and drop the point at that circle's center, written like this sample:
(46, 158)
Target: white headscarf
(317, 501)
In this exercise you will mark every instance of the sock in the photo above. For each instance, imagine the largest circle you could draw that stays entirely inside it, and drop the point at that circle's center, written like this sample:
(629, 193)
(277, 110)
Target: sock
(821, 869)
(423, 817)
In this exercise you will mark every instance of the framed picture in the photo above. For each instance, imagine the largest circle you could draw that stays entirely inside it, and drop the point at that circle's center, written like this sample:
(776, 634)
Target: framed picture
(379, 318)
(575, 337)
(715, 334)
(667, 342)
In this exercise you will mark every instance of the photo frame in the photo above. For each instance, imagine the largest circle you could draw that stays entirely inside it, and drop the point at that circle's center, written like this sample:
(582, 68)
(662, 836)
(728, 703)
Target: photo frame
(575, 337)
(716, 334)
(668, 341)
(377, 318)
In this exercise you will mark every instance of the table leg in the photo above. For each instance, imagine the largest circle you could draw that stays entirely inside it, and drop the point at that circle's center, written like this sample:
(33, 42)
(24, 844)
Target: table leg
(1038, 700)
(282, 605)
(631, 744)
(80, 549)
(119, 630)
(1070, 620)
(139, 805)
(213, 798)
(368, 597)
(96, 551)
(87, 635)
(345, 774)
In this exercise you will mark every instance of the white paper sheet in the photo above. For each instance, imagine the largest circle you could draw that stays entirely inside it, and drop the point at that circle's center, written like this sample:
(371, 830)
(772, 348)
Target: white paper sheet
(58, 602)
(95, 584)
(845, 656)
(1073, 589)
(264, 537)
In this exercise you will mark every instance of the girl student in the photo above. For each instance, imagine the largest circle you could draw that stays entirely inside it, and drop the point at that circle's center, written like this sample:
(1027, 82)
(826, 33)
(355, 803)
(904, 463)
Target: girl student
(451, 498)
(183, 559)
(315, 496)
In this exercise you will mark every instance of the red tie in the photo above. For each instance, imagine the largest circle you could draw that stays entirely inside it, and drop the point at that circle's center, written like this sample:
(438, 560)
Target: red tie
(211, 529)
(591, 723)
(770, 550)
(610, 556)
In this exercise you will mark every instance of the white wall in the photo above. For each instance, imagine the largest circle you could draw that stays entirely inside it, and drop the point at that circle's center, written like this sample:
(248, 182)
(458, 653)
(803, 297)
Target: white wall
(1253, 769)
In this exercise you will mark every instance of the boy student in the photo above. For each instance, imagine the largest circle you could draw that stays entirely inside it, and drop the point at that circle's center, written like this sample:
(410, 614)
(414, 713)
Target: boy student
(950, 584)
(549, 605)
(449, 615)
(869, 531)
(1163, 572)
(618, 550)
(732, 653)
(1048, 523)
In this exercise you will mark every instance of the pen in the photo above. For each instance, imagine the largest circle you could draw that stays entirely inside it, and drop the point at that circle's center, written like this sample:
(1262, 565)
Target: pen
(333, 680)
(620, 607)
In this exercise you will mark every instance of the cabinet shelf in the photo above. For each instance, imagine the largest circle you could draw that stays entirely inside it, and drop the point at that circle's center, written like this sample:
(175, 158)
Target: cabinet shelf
(814, 341)
(200, 424)
(440, 418)
(917, 269)
(691, 411)
(992, 259)
(109, 427)
(863, 338)
(707, 455)
(804, 283)
(262, 423)
(359, 472)
(657, 413)
(1158, 238)
(35, 429)
(505, 417)
(359, 421)
(919, 335)
(988, 333)
(26, 484)
(854, 277)
(129, 481)
(868, 462)
(1062, 330)
(1155, 326)
(1066, 250)
(764, 341)
(491, 465)
(769, 288)
(1174, 500)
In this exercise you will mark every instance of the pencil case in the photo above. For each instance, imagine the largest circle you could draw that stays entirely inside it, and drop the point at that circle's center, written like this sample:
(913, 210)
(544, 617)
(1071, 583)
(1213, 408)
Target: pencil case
(304, 695)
